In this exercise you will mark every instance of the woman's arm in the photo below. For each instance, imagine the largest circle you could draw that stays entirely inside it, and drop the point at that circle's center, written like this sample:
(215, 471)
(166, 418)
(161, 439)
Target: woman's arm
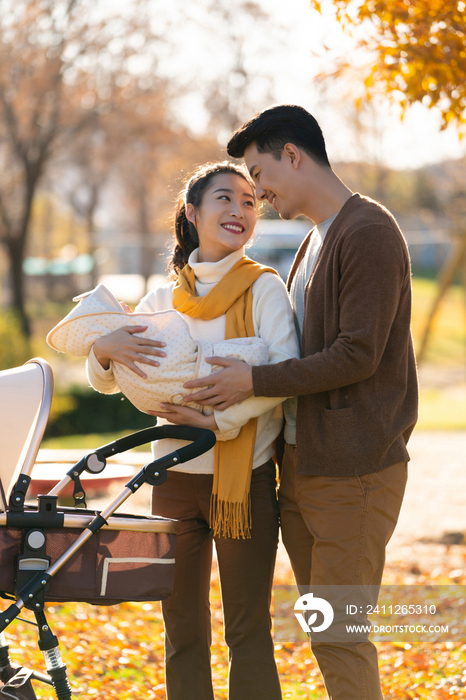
(125, 347)
(100, 379)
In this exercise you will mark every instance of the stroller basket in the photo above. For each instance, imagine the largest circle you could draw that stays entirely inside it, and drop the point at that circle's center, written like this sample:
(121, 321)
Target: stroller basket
(58, 554)
(130, 559)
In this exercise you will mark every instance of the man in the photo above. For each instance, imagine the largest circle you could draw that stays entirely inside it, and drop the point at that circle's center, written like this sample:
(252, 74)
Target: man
(344, 473)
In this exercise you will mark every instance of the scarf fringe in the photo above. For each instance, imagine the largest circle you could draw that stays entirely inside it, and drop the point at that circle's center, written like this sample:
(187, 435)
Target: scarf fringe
(229, 519)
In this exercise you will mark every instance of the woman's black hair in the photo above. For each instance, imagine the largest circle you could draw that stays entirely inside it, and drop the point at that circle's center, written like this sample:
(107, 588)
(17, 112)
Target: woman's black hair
(186, 236)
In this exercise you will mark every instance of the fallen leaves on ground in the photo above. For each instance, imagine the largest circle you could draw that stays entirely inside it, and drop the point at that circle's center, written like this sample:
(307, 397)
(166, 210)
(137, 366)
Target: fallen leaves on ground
(117, 652)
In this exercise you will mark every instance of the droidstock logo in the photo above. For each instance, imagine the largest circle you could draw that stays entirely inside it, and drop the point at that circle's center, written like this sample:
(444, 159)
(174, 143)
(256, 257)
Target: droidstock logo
(307, 603)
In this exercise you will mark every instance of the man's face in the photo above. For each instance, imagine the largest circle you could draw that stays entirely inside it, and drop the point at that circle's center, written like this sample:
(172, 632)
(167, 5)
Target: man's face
(275, 180)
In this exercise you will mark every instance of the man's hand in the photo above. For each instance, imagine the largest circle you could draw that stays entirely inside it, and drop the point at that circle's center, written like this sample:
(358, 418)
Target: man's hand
(183, 415)
(225, 388)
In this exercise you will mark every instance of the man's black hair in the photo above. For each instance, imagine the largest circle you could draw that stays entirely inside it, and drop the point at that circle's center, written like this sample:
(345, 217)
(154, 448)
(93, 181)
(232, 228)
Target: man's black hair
(271, 129)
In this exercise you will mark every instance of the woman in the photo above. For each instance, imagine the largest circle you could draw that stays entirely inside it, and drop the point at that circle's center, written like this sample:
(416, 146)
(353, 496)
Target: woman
(228, 494)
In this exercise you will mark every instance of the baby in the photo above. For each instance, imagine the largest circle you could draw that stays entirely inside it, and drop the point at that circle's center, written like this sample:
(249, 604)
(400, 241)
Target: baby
(99, 313)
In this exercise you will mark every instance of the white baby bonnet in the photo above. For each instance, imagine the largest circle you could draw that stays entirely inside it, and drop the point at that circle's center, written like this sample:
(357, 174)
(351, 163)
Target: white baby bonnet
(99, 313)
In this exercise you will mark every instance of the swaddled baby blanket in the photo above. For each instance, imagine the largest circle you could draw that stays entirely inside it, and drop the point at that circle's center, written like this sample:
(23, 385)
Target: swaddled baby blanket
(99, 313)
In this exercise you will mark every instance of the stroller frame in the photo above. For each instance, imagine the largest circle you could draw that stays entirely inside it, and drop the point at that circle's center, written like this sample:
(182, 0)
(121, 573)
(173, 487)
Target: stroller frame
(33, 570)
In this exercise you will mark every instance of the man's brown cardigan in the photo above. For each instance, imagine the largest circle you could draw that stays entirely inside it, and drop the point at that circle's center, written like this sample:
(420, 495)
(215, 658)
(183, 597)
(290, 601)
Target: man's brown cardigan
(357, 381)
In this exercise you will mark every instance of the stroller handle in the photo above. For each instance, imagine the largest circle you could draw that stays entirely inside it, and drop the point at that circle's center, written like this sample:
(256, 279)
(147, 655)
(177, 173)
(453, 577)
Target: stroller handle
(200, 438)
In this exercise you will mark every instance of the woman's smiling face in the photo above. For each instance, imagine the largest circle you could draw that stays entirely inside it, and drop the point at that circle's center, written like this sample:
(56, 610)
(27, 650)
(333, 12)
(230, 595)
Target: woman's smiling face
(226, 217)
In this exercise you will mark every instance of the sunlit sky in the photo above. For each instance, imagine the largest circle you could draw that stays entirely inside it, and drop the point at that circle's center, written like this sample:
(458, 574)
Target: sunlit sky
(283, 52)
(413, 142)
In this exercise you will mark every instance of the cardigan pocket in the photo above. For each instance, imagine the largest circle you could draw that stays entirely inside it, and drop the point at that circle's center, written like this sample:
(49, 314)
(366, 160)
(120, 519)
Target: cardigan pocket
(340, 429)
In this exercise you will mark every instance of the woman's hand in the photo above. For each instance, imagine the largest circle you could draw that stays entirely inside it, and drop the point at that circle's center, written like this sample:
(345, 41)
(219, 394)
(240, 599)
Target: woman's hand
(183, 415)
(125, 347)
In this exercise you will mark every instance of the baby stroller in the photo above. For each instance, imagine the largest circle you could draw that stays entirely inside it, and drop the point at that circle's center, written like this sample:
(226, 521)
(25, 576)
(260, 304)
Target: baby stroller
(57, 554)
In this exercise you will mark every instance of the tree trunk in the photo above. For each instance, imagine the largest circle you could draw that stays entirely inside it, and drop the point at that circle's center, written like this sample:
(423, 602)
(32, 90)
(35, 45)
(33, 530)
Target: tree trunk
(452, 265)
(147, 249)
(15, 249)
(91, 242)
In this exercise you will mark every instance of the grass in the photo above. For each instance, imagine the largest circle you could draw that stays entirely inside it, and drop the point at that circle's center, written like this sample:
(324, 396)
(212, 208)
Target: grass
(447, 342)
(442, 403)
(442, 409)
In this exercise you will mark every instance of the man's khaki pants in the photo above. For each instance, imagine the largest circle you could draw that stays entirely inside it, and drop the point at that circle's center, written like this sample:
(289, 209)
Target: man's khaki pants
(335, 530)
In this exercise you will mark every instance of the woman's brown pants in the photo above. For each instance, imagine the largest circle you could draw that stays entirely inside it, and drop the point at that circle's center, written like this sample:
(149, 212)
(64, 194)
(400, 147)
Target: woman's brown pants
(246, 573)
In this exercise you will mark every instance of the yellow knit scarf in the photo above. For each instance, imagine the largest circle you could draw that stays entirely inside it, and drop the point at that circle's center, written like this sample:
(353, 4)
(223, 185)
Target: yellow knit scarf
(230, 506)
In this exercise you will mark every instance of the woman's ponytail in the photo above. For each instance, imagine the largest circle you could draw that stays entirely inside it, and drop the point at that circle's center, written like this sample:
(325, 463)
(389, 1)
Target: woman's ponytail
(186, 238)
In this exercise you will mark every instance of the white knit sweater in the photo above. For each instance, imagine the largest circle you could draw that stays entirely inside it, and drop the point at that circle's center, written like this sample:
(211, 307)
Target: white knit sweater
(273, 322)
